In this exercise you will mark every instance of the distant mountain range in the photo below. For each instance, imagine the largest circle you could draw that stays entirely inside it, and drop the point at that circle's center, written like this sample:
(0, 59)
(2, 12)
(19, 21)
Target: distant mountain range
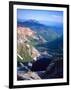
(47, 32)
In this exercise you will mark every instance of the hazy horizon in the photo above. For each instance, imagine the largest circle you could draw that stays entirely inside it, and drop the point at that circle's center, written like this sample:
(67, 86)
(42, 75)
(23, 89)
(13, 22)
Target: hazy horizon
(47, 17)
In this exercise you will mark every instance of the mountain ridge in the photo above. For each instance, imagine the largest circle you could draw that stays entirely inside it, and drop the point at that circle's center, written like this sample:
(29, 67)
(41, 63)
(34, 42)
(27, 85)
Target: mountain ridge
(46, 31)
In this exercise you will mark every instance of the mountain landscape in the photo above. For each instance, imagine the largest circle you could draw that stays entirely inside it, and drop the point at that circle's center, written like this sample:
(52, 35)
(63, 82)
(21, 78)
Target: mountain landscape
(39, 51)
(48, 32)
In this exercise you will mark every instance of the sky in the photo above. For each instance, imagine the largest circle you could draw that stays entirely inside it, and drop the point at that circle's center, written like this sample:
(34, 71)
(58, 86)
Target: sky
(46, 17)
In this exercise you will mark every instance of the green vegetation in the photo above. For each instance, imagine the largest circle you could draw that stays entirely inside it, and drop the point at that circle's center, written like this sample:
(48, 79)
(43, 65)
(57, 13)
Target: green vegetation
(23, 51)
(32, 42)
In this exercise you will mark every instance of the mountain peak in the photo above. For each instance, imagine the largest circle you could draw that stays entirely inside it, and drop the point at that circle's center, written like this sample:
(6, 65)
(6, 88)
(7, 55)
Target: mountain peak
(32, 21)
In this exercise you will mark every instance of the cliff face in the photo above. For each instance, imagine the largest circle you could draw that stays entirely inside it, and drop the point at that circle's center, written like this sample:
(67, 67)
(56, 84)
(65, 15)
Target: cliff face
(25, 32)
(24, 47)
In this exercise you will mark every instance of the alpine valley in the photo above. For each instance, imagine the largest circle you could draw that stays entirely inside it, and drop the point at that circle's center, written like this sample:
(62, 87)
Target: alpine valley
(39, 50)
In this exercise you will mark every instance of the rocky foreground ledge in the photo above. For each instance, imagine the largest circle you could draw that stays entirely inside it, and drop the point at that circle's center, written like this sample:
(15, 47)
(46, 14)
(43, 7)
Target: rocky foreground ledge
(28, 76)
